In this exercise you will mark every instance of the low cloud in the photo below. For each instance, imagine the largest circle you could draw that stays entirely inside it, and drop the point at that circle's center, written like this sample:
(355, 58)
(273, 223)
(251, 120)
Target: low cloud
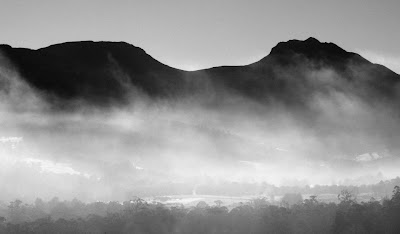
(141, 147)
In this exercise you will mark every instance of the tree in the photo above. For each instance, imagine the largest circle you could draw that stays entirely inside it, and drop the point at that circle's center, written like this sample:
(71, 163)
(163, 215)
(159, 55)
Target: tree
(202, 205)
(346, 197)
(218, 203)
(396, 195)
(16, 212)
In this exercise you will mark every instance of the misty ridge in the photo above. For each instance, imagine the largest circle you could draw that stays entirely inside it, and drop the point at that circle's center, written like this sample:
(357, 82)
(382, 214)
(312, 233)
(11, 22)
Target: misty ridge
(102, 121)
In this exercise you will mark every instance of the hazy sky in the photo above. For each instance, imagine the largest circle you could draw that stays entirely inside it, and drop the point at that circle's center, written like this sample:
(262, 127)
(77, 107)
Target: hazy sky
(196, 34)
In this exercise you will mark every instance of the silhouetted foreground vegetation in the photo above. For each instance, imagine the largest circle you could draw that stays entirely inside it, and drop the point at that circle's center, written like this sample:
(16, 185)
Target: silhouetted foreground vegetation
(257, 216)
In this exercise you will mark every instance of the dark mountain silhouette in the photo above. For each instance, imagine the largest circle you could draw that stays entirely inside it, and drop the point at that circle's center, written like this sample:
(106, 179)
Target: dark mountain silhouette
(105, 72)
(284, 74)
(97, 72)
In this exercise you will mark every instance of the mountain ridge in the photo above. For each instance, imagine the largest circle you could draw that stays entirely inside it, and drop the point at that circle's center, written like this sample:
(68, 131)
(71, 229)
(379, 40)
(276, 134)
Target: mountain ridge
(275, 50)
(103, 72)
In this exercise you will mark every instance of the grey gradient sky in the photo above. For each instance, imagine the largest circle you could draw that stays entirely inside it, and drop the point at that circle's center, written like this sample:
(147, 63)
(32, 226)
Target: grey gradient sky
(198, 34)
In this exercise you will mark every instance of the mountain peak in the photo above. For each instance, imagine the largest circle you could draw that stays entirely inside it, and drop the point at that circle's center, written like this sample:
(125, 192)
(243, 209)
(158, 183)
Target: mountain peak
(310, 48)
(312, 40)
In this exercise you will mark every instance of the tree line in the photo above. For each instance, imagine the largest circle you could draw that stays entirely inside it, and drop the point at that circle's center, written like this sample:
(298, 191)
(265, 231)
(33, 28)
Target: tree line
(292, 215)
